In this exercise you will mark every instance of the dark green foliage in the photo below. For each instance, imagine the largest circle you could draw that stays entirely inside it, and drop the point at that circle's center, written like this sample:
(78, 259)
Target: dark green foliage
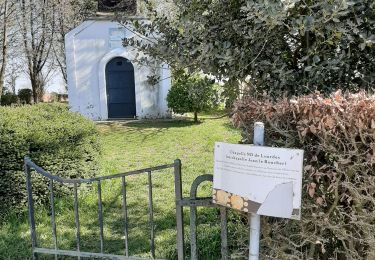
(25, 95)
(63, 143)
(192, 93)
(8, 99)
(126, 6)
(62, 97)
(292, 47)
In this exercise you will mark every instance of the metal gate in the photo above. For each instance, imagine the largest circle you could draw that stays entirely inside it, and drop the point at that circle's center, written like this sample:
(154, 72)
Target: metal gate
(193, 202)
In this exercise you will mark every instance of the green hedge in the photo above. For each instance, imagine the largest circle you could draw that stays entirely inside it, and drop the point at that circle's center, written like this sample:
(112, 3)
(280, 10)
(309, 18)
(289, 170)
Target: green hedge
(63, 143)
(8, 99)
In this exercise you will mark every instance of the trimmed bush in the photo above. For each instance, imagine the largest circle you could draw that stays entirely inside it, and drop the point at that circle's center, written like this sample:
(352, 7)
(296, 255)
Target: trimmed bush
(9, 99)
(338, 204)
(192, 93)
(25, 95)
(64, 143)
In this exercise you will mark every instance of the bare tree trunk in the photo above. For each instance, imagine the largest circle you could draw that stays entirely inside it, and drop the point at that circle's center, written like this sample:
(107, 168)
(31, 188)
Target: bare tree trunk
(195, 117)
(34, 88)
(62, 65)
(37, 86)
(61, 26)
(4, 47)
(12, 72)
(38, 27)
(13, 84)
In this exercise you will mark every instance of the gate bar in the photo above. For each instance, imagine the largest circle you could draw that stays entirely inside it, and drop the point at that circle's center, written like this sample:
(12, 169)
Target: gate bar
(89, 255)
(30, 203)
(76, 218)
(179, 210)
(125, 210)
(41, 171)
(193, 211)
(151, 215)
(53, 222)
(100, 213)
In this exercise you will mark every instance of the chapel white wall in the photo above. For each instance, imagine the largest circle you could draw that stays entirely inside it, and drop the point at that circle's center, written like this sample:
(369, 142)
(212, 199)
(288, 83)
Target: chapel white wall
(87, 52)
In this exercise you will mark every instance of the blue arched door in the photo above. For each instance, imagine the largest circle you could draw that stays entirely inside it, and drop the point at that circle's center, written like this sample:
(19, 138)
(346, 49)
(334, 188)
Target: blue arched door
(120, 88)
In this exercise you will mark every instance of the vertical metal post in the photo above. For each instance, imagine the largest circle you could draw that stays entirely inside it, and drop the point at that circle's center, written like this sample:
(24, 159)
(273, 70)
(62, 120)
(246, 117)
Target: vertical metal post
(100, 213)
(193, 214)
(193, 232)
(151, 216)
(255, 218)
(76, 218)
(30, 203)
(224, 233)
(53, 222)
(179, 210)
(125, 210)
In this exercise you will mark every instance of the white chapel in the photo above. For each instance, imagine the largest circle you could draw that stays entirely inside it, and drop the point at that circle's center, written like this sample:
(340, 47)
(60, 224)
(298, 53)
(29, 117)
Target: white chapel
(104, 79)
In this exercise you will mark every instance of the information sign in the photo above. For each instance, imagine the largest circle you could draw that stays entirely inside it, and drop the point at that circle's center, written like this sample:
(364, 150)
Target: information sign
(258, 179)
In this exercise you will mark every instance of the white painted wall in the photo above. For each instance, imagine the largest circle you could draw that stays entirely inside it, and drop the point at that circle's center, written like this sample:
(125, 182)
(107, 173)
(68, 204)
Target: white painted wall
(89, 48)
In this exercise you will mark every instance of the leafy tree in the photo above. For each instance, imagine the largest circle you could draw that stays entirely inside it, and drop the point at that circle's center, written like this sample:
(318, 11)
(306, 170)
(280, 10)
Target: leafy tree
(291, 46)
(192, 93)
(25, 95)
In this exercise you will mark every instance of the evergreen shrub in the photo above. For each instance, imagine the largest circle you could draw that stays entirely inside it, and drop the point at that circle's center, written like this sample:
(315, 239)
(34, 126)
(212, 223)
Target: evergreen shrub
(64, 143)
(8, 99)
(25, 95)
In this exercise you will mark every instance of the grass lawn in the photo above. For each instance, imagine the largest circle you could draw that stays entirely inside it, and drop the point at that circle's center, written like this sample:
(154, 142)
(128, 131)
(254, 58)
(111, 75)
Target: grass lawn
(130, 146)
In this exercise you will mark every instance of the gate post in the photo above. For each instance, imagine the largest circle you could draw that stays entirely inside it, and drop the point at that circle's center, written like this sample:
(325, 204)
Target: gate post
(179, 210)
(30, 203)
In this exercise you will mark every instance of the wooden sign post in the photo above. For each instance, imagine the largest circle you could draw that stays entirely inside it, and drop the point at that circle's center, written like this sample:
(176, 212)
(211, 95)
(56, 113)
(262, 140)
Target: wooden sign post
(258, 180)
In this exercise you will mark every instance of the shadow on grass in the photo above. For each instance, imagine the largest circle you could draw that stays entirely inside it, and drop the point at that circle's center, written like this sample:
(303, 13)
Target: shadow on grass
(145, 124)
(147, 129)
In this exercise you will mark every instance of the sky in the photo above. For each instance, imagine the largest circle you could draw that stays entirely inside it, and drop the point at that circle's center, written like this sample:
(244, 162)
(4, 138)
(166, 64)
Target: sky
(56, 84)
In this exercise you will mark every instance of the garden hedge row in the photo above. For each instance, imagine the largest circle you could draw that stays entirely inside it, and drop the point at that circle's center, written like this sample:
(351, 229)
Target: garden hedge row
(62, 142)
(338, 204)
